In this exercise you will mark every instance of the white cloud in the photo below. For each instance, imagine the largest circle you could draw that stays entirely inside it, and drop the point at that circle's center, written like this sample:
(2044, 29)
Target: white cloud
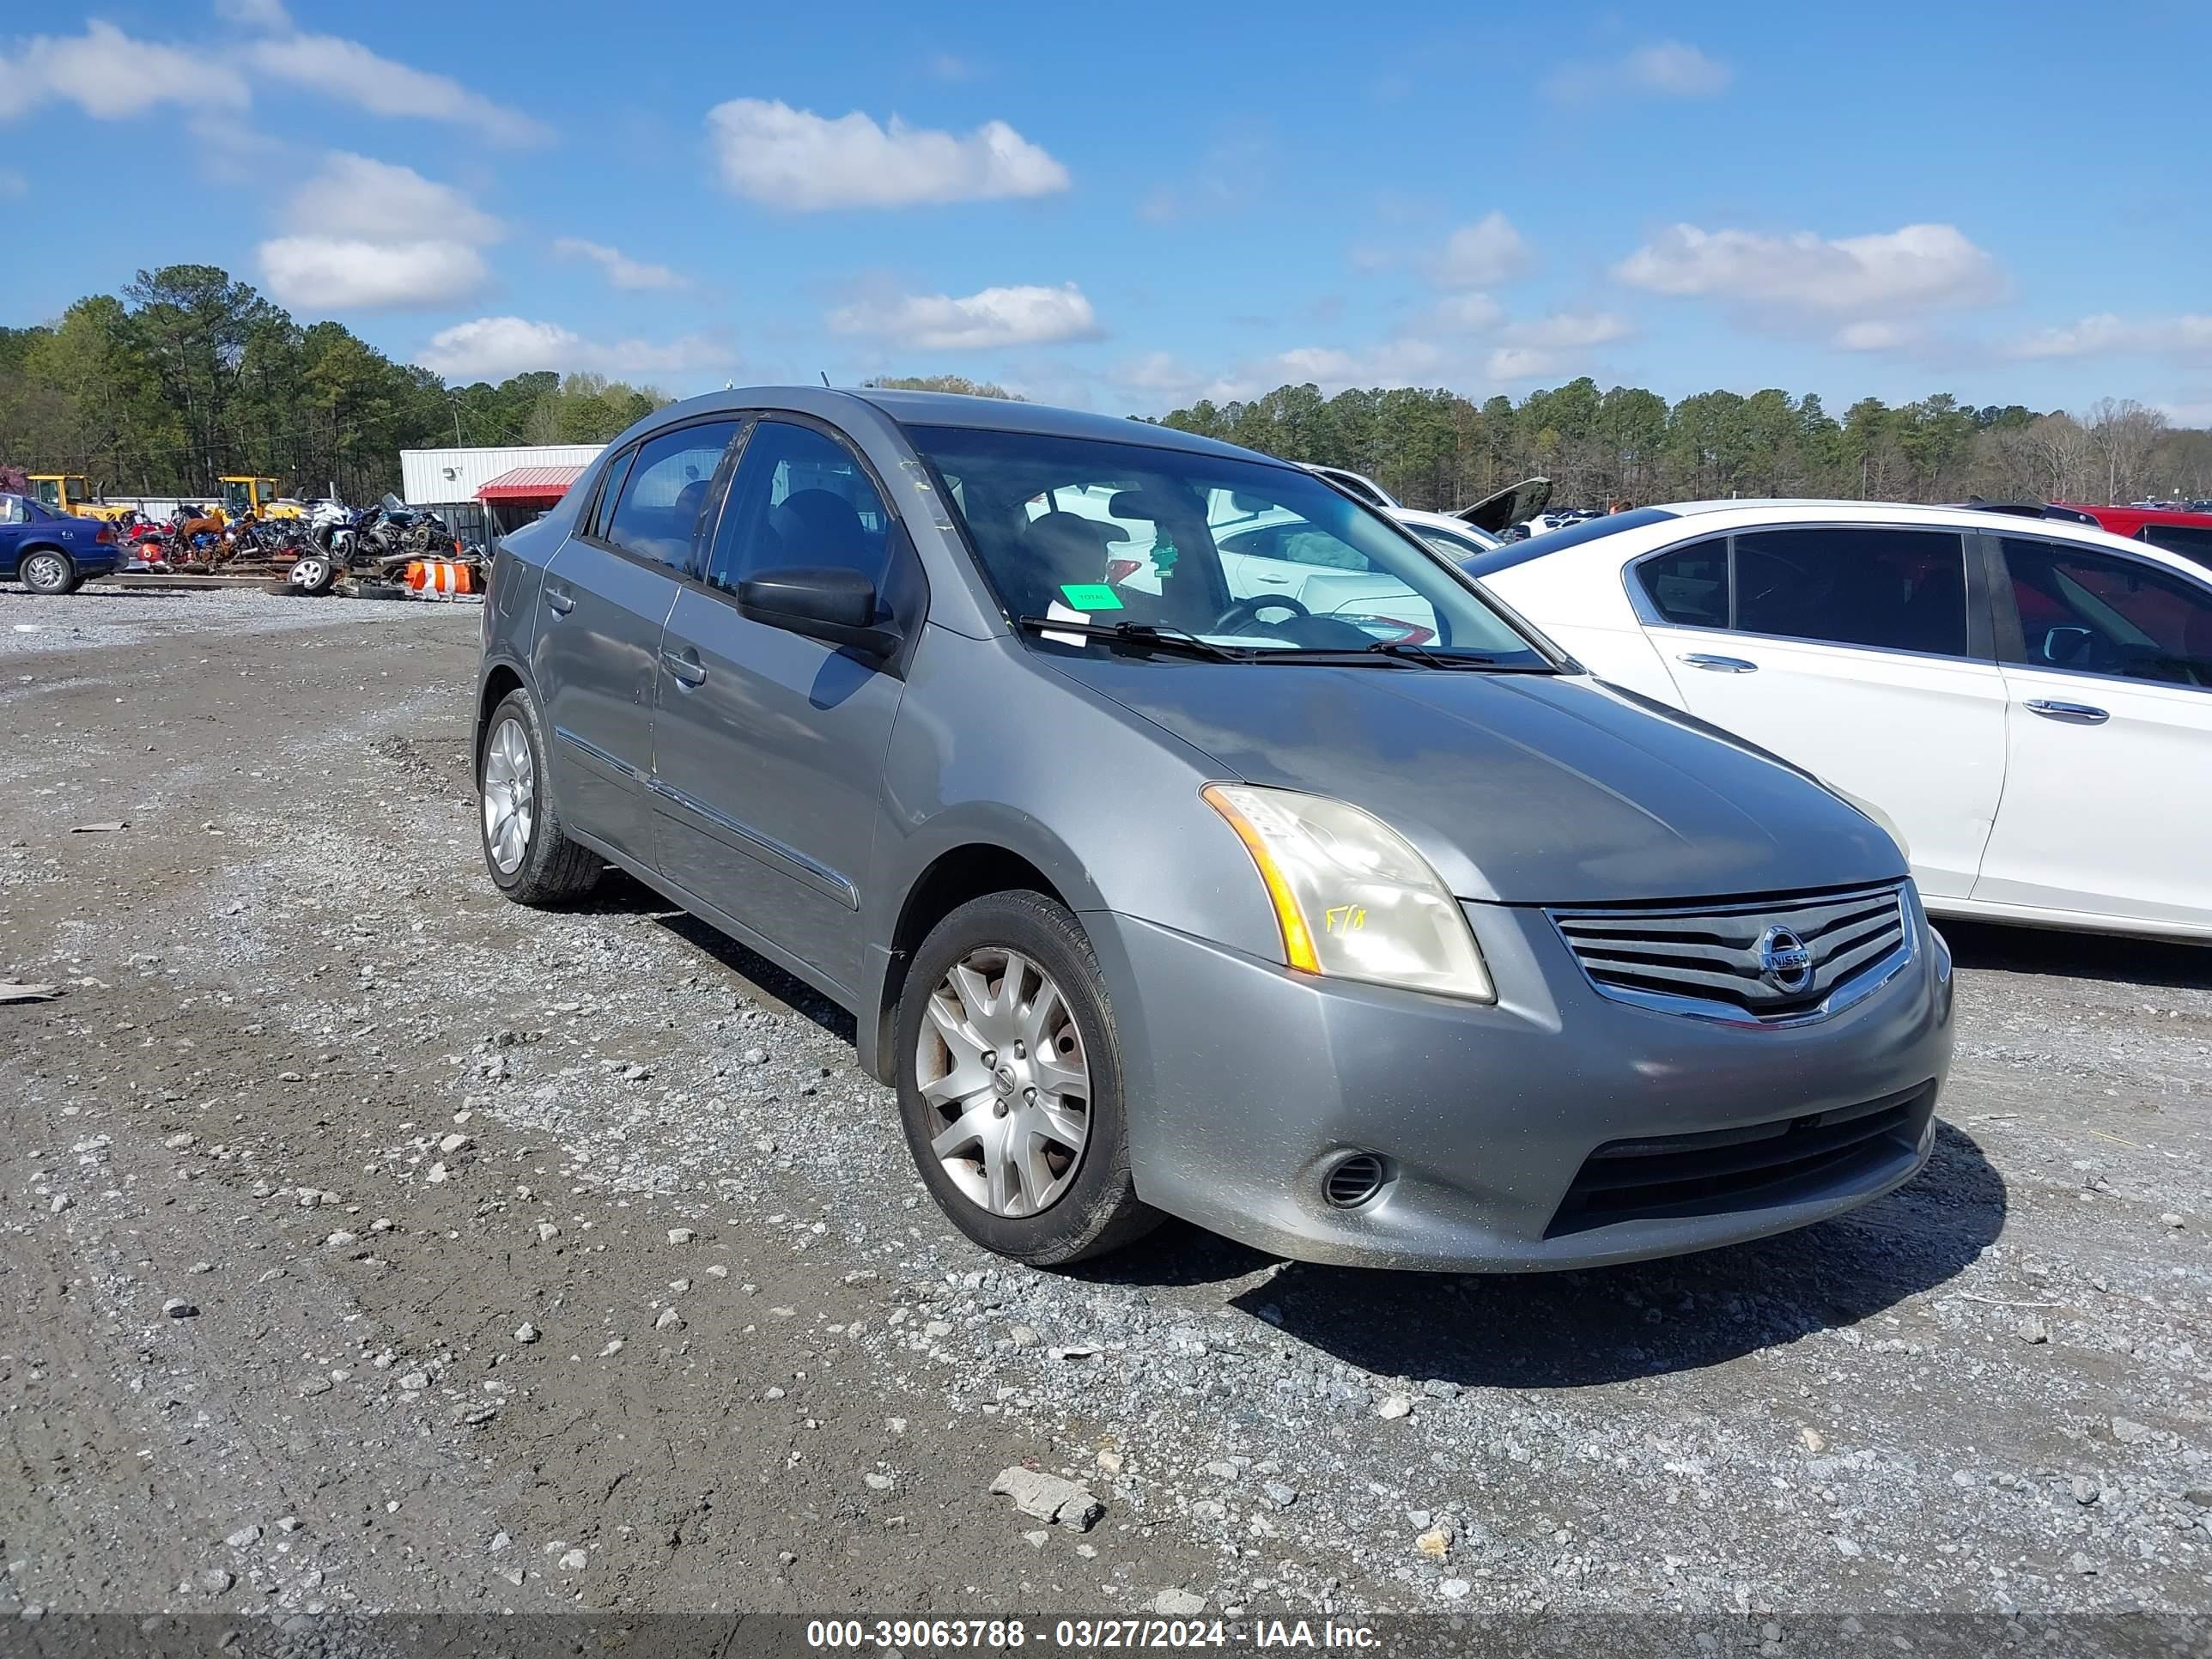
(338, 273)
(783, 157)
(1678, 70)
(1569, 331)
(1025, 316)
(1470, 313)
(1872, 334)
(1488, 251)
(369, 236)
(1915, 266)
(1162, 378)
(622, 271)
(2107, 334)
(381, 199)
(1668, 68)
(254, 13)
(949, 66)
(496, 348)
(350, 72)
(111, 76)
(1546, 346)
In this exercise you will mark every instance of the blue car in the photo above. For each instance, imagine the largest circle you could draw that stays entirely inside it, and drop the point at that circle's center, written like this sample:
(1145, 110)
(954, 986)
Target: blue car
(50, 552)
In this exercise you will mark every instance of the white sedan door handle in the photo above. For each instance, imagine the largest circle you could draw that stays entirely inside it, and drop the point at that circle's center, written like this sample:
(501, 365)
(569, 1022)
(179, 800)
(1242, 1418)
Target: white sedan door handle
(2073, 714)
(1720, 665)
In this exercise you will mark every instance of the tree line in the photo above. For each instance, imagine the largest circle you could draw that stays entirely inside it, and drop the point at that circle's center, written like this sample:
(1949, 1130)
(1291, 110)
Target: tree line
(189, 374)
(1436, 449)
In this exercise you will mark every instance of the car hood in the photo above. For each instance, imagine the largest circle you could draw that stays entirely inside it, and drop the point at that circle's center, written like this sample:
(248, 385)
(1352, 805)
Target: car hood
(1522, 788)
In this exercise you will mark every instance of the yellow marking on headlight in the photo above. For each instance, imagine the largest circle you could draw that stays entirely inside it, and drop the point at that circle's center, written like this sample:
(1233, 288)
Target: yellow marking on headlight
(1297, 939)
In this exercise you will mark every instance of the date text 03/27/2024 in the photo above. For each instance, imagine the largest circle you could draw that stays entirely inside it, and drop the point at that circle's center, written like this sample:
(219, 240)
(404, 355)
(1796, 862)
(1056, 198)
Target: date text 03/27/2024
(1084, 1635)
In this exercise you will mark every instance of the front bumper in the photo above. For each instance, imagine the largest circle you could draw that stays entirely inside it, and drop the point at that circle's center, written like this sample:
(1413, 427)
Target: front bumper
(1247, 1084)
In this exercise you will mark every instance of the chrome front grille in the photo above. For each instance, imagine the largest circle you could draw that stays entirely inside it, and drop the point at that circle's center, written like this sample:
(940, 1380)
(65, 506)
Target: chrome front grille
(1767, 962)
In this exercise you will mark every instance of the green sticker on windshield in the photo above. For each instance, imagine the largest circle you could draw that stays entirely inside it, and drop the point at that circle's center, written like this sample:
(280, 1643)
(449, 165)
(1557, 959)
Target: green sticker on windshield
(1091, 595)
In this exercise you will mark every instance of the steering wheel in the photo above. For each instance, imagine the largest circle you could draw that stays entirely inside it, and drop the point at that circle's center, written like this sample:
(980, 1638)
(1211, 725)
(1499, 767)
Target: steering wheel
(1245, 612)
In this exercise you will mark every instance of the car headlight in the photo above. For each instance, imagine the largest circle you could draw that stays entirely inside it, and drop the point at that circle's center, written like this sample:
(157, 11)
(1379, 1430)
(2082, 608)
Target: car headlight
(1352, 897)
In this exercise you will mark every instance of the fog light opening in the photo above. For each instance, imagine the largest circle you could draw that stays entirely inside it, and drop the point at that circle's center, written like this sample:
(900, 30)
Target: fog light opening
(1355, 1181)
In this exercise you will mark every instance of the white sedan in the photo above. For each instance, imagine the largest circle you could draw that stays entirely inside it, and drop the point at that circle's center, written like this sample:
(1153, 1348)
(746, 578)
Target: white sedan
(2027, 703)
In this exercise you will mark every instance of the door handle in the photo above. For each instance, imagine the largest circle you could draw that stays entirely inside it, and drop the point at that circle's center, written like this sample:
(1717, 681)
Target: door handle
(1720, 665)
(2073, 714)
(689, 671)
(560, 603)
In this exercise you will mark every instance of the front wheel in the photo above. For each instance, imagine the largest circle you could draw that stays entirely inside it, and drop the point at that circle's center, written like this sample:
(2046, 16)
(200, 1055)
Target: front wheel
(531, 857)
(1010, 1084)
(49, 571)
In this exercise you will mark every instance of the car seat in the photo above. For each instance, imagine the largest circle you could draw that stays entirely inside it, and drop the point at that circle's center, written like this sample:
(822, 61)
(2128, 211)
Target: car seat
(1059, 548)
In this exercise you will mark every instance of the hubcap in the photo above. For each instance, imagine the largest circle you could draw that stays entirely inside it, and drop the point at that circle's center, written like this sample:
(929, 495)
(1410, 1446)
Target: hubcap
(1001, 1065)
(510, 781)
(307, 573)
(42, 570)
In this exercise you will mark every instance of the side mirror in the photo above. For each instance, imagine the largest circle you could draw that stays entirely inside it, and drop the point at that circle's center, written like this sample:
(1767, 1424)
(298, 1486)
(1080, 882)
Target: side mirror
(2063, 645)
(821, 604)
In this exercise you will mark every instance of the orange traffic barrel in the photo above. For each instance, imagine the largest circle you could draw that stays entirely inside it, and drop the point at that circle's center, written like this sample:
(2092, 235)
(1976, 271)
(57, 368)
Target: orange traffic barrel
(438, 576)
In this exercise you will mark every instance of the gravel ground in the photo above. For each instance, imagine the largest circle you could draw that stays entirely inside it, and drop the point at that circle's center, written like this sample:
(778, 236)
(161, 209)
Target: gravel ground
(368, 1242)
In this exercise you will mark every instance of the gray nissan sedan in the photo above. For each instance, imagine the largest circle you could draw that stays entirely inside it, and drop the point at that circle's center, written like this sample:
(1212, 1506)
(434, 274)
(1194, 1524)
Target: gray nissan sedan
(1185, 838)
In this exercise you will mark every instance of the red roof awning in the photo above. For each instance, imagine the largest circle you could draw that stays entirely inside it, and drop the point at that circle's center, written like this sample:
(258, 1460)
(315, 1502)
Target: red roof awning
(529, 484)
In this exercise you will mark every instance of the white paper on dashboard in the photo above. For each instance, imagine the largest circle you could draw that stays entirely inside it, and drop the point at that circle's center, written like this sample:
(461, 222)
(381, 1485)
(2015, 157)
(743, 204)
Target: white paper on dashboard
(1058, 612)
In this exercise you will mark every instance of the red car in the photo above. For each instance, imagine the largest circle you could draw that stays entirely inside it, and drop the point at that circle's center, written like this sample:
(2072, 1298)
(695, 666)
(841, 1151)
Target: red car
(2189, 534)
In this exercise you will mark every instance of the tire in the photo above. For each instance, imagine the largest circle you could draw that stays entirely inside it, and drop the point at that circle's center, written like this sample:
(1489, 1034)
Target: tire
(1091, 1202)
(367, 590)
(312, 574)
(548, 869)
(49, 571)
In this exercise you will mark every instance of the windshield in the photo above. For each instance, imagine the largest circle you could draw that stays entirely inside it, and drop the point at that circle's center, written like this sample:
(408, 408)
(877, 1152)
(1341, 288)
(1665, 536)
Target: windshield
(1266, 559)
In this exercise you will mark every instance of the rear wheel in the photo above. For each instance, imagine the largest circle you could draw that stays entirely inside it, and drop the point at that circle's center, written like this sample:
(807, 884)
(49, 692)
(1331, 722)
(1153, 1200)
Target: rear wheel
(529, 855)
(49, 570)
(1010, 1084)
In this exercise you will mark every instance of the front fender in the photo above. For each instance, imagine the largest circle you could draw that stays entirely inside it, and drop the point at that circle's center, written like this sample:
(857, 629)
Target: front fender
(993, 748)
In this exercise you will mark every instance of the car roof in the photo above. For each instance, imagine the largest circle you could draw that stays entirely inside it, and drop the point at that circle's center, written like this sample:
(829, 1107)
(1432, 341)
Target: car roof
(943, 408)
(1044, 420)
(1784, 511)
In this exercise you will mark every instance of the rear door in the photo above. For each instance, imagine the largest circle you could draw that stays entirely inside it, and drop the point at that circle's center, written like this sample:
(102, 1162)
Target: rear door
(605, 596)
(2108, 662)
(1861, 652)
(768, 746)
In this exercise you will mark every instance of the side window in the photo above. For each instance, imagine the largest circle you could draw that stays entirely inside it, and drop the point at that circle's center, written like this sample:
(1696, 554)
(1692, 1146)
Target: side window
(603, 509)
(659, 507)
(11, 509)
(801, 498)
(1296, 542)
(2096, 613)
(1887, 590)
(1690, 585)
(2193, 543)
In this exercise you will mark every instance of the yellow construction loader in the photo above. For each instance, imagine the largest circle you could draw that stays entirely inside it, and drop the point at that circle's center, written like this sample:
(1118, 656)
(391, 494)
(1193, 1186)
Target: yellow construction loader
(256, 498)
(71, 493)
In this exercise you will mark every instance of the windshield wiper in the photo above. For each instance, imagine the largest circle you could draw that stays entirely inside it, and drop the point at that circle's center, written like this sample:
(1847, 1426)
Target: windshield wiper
(1407, 651)
(1141, 637)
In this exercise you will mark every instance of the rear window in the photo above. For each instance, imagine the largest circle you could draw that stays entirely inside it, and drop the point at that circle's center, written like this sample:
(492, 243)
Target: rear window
(2192, 542)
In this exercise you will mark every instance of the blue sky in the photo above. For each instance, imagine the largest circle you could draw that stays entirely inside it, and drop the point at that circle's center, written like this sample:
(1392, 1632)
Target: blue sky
(1128, 209)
